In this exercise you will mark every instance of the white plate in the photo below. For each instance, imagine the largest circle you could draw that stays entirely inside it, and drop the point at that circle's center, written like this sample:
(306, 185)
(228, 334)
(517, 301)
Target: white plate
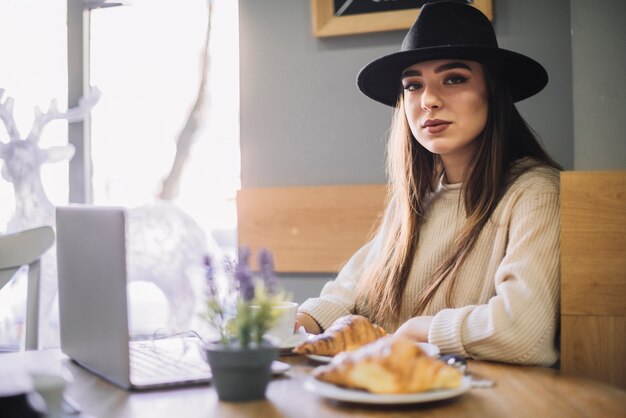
(331, 391)
(429, 349)
(321, 359)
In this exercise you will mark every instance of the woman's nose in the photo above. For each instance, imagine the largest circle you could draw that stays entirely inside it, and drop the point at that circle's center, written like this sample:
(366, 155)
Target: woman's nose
(431, 99)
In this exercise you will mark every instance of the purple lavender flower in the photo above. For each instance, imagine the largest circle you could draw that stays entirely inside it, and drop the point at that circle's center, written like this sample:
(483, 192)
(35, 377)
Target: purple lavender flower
(266, 269)
(229, 265)
(209, 277)
(243, 255)
(243, 275)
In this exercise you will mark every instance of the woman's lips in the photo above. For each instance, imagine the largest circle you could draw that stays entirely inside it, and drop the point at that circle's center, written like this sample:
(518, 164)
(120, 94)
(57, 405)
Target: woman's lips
(435, 126)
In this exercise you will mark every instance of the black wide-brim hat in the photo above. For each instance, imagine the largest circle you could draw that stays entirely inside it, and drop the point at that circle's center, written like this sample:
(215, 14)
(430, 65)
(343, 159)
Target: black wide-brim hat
(451, 30)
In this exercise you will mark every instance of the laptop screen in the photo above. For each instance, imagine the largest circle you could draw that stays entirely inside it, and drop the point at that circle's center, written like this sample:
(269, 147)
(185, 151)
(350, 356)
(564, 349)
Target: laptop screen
(93, 307)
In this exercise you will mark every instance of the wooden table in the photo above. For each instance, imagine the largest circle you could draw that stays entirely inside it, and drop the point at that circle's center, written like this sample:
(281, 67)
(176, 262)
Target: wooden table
(519, 392)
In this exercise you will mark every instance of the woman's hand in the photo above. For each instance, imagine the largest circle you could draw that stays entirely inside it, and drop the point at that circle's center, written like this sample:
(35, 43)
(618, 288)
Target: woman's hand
(416, 328)
(309, 324)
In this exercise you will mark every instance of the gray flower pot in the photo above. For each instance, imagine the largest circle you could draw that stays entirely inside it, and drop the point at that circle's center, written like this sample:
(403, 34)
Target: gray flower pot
(241, 374)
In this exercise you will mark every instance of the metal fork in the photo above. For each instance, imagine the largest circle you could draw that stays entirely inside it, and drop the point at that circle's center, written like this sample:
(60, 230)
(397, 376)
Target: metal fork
(459, 363)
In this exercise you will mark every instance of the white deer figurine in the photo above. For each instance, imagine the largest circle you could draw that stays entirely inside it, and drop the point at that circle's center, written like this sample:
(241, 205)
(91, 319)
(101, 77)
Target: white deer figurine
(22, 160)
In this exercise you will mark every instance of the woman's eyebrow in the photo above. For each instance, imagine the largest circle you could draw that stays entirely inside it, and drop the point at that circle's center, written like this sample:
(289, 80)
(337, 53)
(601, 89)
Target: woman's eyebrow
(443, 67)
(452, 65)
(410, 73)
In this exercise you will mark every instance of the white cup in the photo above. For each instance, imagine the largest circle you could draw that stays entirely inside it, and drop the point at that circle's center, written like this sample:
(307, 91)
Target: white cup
(285, 323)
(51, 387)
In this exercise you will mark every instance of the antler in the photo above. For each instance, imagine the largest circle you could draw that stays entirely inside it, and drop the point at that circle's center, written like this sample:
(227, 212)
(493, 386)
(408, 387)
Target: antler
(6, 114)
(75, 114)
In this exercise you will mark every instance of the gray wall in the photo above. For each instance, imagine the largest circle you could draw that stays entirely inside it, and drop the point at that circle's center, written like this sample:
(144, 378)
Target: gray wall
(599, 61)
(303, 121)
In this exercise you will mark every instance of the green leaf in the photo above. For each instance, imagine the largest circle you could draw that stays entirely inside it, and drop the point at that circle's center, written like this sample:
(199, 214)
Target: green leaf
(252, 318)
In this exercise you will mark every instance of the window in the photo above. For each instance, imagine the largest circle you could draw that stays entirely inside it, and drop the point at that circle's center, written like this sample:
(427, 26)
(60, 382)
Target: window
(33, 72)
(146, 61)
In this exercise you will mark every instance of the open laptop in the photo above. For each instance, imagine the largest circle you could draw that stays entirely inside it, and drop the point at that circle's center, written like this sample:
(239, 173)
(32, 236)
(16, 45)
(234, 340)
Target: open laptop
(93, 307)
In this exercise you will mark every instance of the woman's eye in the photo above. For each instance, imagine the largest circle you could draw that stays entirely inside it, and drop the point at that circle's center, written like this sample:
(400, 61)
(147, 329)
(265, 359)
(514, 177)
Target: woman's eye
(455, 79)
(412, 86)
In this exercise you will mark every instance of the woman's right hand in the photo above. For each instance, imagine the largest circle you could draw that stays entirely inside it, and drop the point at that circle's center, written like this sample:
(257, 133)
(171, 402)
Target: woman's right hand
(309, 324)
(416, 328)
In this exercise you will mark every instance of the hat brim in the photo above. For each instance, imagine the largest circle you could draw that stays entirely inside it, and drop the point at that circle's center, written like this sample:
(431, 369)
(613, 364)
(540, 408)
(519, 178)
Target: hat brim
(380, 79)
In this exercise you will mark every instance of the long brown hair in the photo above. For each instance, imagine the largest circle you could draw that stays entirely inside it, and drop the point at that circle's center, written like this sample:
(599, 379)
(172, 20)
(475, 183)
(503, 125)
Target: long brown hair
(413, 173)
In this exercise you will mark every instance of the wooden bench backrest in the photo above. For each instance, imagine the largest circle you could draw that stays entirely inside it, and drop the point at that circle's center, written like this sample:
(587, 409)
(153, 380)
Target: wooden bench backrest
(309, 229)
(593, 275)
(317, 229)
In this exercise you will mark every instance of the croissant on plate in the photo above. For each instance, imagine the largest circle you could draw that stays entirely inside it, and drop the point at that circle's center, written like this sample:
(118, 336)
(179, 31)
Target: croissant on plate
(389, 365)
(345, 334)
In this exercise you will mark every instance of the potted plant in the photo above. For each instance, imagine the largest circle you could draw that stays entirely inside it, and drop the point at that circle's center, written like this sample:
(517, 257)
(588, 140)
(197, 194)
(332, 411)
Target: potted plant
(241, 313)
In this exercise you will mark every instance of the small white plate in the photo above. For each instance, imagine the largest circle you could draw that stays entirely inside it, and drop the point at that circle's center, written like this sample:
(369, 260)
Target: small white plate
(321, 359)
(429, 349)
(331, 391)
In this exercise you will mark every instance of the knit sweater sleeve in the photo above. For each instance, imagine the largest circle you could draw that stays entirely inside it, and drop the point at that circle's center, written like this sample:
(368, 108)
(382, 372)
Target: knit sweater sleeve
(338, 297)
(518, 324)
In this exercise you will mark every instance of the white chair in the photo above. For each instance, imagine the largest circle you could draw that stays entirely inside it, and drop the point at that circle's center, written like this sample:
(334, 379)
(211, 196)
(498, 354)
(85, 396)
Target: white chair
(25, 249)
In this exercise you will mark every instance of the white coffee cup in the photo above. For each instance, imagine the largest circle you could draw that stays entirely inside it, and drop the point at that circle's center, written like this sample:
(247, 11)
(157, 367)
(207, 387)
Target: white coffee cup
(51, 387)
(285, 323)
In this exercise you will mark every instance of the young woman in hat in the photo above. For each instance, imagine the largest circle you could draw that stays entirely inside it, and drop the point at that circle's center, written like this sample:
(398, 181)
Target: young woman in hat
(467, 254)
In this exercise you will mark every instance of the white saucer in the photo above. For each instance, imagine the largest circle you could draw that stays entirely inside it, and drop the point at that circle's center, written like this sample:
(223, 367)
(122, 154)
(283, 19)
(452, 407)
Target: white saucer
(296, 339)
(278, 367)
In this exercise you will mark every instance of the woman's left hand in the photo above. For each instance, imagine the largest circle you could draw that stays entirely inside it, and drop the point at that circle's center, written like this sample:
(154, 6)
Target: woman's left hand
(415, 328)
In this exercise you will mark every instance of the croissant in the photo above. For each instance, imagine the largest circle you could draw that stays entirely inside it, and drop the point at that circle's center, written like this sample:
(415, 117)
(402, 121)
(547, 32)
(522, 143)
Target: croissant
(345, 334)
(389, 365)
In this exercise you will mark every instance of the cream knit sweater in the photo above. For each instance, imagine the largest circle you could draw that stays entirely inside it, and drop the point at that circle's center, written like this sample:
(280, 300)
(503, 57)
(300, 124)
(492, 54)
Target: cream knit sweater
(506, 297)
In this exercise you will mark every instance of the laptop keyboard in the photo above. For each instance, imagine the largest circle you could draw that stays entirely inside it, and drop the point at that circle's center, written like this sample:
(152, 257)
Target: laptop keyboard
(147, 362)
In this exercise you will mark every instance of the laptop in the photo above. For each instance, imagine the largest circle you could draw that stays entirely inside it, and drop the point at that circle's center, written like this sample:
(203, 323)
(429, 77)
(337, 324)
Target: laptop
(93, 307)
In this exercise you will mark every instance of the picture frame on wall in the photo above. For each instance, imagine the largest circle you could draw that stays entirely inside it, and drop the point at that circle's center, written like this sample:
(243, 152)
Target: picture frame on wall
(349, 17)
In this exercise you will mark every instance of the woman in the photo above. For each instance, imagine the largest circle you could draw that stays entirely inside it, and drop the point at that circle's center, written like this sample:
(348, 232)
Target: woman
(467, 255)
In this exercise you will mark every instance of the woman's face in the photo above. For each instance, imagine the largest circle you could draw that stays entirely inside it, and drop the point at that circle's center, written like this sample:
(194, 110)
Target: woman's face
(446, 106)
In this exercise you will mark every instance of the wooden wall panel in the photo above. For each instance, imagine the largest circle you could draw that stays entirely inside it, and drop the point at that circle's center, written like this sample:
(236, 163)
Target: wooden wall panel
(593, 275)
(309, 229)
(596, 347)
(593, 242)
